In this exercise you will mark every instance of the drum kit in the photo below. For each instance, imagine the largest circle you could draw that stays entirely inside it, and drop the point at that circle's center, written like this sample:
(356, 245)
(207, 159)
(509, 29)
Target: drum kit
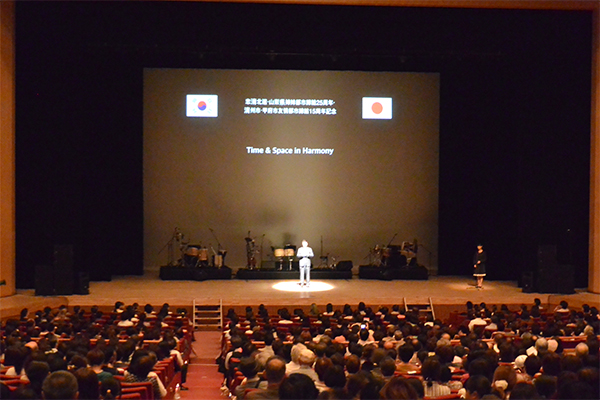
(378, 255)
(392, 255)
(195, 255)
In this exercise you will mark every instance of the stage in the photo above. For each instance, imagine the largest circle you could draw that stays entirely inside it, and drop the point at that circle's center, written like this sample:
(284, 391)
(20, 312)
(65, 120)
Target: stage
(174, 273)
(448, 293)
(315, 274)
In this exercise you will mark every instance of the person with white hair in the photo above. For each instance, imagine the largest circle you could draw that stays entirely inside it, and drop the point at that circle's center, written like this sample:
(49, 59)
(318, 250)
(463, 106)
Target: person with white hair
(304, 254)
(541, 346)
(306, 361)
(293, 365)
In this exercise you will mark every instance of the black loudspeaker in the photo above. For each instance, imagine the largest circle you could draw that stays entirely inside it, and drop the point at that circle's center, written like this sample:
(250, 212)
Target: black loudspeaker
(567, 279)
(557, 279)
(44, 280)
(552, 277)
(344, 266)
(82, 283)
(527, 281)
(63, 269)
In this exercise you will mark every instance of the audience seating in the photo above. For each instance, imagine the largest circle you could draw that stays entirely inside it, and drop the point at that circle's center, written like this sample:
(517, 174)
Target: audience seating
(456, 321)
(144, 389)
(130, 396)
(165, 369)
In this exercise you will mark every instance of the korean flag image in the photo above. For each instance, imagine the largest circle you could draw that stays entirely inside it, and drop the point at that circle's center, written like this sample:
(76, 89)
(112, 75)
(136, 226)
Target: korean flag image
(377, 108)
(202, 105)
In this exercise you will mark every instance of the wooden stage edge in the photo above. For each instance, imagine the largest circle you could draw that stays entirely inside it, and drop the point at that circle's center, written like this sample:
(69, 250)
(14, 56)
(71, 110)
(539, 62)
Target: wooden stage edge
(448, 293)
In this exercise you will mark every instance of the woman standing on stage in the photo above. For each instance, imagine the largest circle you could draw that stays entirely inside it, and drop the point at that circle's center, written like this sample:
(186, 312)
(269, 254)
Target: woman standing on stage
(479, 266)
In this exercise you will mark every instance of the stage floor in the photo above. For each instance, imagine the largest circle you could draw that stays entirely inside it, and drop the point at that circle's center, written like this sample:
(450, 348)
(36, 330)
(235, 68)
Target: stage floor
(444, 291)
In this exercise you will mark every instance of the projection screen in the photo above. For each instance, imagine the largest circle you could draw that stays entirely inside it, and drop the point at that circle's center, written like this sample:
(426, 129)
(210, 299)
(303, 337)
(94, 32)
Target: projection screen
(347, 159)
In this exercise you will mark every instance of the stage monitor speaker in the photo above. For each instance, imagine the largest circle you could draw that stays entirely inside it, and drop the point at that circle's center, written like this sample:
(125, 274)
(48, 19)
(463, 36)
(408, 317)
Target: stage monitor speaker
(344, 265)
(63, 269)
(44, 280)
(556, 279)
(82, 283)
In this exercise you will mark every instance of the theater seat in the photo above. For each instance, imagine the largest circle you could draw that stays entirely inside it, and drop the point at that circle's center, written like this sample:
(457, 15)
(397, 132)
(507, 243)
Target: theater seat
(131, 396)
(13, 383)
(445, 397)
(144, 388)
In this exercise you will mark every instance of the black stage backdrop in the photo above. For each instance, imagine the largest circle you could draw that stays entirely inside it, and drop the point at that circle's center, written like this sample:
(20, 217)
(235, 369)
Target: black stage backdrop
(514, 116)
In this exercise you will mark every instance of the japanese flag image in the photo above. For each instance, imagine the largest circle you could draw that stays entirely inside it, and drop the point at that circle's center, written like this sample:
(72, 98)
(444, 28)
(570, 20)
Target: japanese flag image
(377, 108)
(202, 105)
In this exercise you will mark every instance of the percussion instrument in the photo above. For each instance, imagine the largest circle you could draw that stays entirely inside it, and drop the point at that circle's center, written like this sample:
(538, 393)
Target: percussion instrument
(279, 253)
(203, 254)
(289, 252)
(218, 260)
(192, 251)
(190, 258)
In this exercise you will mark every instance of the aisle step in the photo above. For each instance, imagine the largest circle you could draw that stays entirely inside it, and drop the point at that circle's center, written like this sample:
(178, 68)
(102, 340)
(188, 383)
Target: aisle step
(207, 317)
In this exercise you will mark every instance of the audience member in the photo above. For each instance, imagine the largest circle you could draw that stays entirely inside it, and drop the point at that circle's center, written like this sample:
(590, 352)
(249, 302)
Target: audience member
(110, 389)
(297, 387)
(60, 385)
(524, 390)
(398, 388)
(306, 359)
(88, 384)
(139, 371)
(431, 371)
(274, 374)
(37, 372)
(248, 368)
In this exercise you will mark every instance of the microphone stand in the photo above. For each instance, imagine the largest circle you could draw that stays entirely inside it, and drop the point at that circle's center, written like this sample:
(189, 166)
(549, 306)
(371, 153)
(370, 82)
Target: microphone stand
(428, 252)
(169, 247)
(392, 239)
(215, 236)
(220, 251)
(262, 239)
(324, 259)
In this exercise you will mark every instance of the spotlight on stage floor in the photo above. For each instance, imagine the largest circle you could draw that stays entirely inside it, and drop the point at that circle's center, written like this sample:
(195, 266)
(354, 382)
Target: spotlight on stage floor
(292, 286)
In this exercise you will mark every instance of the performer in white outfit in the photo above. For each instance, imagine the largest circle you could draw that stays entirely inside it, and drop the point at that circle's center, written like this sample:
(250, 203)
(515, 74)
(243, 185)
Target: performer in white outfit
(304, 253)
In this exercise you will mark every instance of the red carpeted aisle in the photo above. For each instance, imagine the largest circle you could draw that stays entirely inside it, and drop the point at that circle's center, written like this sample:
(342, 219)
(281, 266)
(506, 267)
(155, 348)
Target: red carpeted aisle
(203, 379)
